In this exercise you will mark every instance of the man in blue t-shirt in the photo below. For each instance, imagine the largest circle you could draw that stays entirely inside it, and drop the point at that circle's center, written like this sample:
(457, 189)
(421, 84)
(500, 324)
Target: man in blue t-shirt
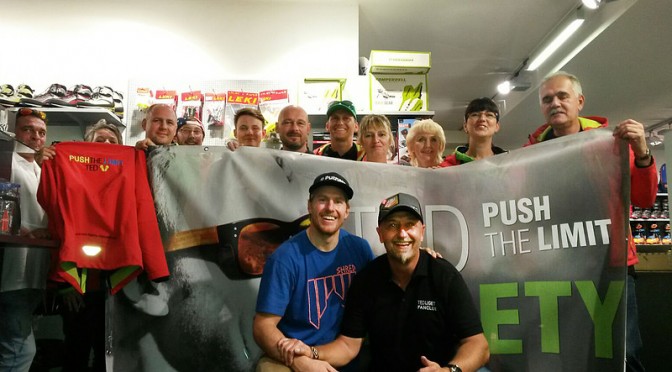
(302, 291)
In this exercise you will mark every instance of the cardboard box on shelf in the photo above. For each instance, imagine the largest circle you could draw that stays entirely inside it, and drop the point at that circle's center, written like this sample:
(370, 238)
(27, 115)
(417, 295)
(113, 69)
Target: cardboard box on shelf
(655, 261)
(399, 62)
(398, 93)
(316, 94)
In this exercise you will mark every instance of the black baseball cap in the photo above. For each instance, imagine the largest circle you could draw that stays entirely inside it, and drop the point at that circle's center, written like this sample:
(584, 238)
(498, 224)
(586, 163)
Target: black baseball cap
(332, 179)
(399, 202)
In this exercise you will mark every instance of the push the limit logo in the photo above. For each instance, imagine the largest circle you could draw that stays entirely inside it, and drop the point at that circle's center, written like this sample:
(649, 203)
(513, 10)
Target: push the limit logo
(95, 164)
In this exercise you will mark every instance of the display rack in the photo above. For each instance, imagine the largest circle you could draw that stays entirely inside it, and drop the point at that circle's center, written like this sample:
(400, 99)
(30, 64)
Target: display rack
(653, 257)
(63, 116)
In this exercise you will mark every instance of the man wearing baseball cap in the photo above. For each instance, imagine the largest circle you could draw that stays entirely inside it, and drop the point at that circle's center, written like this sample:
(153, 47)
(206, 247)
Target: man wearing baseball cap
(303, 287)
(342, 125)
(417, 311)
(190, 131)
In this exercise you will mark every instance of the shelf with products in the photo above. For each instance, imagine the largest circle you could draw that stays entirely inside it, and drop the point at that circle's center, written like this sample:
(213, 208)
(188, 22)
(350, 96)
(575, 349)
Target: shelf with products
(63, 116)
(658, 212)
(651, 226)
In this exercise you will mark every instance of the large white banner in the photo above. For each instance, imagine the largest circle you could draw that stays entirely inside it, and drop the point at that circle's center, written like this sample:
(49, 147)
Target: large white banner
(538, 234)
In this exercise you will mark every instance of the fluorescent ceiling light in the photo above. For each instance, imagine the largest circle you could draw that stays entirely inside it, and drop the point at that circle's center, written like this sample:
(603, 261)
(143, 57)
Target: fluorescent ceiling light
(555, 44)
(592, 4)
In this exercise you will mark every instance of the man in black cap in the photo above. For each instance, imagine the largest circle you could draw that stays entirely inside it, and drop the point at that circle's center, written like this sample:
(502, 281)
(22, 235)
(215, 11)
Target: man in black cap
(342, 125)
(302, 290)
(417, 311)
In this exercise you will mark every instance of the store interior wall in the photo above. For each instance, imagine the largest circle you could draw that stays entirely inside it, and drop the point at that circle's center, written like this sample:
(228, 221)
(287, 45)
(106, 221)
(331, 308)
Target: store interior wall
(111, 42)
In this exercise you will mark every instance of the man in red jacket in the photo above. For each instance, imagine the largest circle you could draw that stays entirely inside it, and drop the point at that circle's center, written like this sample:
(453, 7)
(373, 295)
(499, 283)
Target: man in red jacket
(561, 100)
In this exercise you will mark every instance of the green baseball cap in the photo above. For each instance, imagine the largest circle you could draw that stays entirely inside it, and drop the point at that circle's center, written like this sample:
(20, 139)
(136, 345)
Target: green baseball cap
(342, 105)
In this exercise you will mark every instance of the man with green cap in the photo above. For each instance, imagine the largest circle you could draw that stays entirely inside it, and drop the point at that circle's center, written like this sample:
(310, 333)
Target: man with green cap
(342, 125)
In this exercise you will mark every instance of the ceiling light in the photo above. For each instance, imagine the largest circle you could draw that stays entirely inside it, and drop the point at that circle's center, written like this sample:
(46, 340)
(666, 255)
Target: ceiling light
(557, 41)
(654, 139)
(592, 4)
(505, 87)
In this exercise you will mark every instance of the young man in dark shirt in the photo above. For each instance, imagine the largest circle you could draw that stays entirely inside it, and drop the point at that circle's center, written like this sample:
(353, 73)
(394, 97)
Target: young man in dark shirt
(342, 125)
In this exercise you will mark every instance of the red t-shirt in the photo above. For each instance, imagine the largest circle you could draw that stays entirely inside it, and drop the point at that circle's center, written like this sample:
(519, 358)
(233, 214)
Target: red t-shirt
(97, 197)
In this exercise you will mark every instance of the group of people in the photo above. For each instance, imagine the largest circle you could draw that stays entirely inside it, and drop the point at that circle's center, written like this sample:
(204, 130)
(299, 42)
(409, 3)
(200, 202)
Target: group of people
(415, 309)
(375, 142)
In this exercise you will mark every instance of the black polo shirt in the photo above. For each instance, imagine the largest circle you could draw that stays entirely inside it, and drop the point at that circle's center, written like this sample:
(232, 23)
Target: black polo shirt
(349, 155)
(428, 318)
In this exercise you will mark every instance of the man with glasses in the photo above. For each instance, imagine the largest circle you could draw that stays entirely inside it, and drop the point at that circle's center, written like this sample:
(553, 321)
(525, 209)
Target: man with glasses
(24, 270)
(303, 286)
(561, 98)
(342, 125)
(189, 131)
(160, 126)
(417, 311)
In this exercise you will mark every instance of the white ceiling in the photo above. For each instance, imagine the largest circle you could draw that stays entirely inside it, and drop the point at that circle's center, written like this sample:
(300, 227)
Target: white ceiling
(475, 44)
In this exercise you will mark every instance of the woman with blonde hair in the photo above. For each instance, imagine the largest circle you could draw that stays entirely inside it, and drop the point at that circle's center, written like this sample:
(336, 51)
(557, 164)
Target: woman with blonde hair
(375, 137)
(103, 131)
(425, 142)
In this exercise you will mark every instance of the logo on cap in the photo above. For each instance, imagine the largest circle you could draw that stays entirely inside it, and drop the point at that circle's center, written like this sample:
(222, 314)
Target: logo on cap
(398, 202)
(331, 178)
(390, 202)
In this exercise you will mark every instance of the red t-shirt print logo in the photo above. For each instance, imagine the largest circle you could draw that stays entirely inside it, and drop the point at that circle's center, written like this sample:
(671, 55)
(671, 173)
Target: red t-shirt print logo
(321, 289)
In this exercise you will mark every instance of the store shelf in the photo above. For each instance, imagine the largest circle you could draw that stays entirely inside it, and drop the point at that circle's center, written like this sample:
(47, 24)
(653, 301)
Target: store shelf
(318, 121)
(66, 116)
(654, 260)
(653, 247)
(9, 241)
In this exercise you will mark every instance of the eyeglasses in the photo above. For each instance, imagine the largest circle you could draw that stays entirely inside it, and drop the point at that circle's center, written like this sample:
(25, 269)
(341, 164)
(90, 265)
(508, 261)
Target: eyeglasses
(243, 247)
(25, 111)
(194, 131)
(190, 120)
(488, 115)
